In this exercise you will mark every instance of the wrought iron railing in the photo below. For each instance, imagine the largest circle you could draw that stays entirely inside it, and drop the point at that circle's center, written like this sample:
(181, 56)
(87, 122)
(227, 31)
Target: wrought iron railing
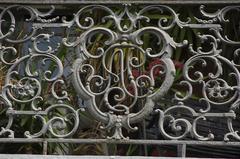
(120, 73)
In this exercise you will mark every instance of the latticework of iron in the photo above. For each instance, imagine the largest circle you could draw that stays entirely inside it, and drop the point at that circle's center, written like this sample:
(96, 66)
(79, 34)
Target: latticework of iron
(105, 78)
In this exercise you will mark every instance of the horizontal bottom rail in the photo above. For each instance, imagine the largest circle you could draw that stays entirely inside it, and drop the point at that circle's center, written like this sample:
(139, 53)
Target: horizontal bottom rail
(109, 141)
(7, 156)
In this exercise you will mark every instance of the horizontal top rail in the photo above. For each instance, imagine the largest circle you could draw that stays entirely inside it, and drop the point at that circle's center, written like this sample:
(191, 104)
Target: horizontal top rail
(120, 1)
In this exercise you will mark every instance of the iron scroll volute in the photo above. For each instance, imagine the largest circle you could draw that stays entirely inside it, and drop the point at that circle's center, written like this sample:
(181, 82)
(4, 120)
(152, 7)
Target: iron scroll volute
(115, 118)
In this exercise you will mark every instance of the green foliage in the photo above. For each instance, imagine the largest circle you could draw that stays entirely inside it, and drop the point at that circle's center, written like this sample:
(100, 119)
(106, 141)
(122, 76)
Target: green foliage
(93, 131)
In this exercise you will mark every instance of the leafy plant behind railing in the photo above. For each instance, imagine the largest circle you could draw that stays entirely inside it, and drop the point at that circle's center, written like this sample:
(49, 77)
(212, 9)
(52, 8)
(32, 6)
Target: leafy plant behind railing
(179, 57)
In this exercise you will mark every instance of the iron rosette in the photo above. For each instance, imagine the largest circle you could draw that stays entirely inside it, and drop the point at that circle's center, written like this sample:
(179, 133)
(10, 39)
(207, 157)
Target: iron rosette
(22, 91)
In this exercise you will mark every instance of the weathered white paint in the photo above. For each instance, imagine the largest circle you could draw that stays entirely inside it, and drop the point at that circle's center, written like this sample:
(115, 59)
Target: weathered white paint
(17, 156)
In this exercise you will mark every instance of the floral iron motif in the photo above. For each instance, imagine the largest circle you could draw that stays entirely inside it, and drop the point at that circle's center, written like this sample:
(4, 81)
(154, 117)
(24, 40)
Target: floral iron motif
(105, 78)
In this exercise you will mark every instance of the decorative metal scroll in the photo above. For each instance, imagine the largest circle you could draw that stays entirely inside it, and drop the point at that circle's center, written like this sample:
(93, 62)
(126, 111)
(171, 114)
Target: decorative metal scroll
(114, 82)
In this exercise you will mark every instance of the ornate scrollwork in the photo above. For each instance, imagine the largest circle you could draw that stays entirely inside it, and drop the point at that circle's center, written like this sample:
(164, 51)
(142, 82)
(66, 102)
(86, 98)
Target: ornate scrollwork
(216, 90)
(26, 87)
(57, 125)
(117, 86)
(182, 127)
(112, 75)
(34, 15)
